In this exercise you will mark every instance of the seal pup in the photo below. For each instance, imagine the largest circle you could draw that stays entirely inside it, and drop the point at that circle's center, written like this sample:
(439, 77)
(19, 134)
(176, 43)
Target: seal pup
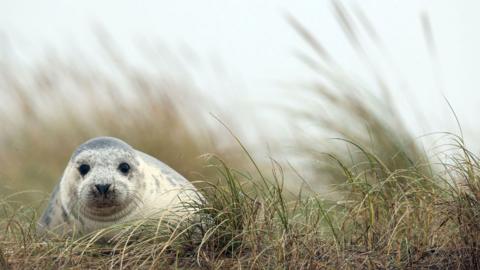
(108, 182)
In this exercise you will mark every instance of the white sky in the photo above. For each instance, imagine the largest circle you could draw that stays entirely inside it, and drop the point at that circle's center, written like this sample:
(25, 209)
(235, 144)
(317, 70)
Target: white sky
(254, 43)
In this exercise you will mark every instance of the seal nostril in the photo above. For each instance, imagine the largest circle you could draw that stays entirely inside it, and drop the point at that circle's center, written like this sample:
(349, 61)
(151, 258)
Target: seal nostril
(103, 189)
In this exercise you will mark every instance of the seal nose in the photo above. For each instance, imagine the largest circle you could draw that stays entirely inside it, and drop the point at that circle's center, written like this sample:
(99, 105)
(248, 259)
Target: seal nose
(103, 189)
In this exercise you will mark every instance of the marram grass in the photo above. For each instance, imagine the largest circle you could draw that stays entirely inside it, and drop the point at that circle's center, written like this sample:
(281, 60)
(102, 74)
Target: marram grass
(387, 220)
(395, 205)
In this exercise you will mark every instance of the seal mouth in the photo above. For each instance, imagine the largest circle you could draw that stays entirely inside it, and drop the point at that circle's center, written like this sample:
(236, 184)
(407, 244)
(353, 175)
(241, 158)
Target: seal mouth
(104, 204)
(107, 210)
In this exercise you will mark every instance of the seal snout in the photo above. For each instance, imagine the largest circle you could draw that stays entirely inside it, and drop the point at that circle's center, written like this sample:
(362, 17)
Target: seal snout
(102, 189)
(103, 195)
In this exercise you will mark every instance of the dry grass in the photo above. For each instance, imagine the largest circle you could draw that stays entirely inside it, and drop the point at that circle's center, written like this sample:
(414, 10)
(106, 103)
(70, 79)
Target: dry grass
(57, 105)
(387, 219)
(399, 207)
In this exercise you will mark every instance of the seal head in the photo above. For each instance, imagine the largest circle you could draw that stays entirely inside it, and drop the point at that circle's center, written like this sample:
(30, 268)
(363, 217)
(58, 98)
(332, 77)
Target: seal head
(100, 183)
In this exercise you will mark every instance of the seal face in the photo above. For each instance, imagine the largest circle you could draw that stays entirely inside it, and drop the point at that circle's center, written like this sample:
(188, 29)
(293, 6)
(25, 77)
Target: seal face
(107, 181)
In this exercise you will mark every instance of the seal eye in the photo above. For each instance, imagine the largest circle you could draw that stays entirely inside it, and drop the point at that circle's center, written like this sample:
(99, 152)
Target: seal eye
(84, 169)
(124, 167)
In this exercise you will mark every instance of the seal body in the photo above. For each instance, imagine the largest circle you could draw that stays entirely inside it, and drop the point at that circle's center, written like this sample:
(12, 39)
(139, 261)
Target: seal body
(108, 182)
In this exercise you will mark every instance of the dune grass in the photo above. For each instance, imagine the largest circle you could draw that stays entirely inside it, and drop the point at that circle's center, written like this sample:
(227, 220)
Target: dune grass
(396, 205)
(61, 103)
(387, 218)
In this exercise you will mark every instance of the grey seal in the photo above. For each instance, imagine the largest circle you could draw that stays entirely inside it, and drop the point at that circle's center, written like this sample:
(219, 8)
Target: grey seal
(108, 182)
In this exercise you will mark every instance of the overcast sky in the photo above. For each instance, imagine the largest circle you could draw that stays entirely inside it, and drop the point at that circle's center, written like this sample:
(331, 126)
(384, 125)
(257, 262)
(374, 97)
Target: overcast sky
(254, 43)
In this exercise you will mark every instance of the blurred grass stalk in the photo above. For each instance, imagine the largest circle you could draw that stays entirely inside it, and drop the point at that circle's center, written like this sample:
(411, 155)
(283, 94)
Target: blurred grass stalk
(397, 199)
(56, 105)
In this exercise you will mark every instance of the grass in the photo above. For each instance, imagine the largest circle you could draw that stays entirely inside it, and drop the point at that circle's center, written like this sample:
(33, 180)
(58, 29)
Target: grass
(395, 205)
(387, 219)
(59, 104)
